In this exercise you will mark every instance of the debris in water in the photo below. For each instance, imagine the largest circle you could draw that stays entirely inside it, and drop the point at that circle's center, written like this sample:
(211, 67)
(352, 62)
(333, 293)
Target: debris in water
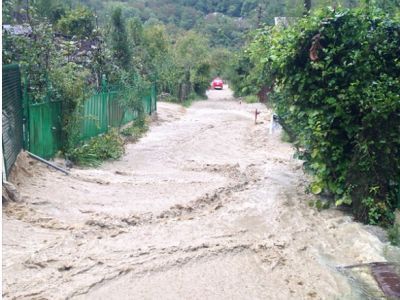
(385, 274)
(387, 278)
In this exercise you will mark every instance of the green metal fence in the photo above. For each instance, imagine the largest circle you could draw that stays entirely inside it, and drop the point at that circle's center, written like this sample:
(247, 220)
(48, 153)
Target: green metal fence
(41, 133)
(115, 110)
(154, 97)
(12, 122)
(103, 110)
(94, 115)
(45, 130)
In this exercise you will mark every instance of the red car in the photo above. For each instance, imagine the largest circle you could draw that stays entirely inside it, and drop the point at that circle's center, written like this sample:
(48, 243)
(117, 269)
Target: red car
(217, 84)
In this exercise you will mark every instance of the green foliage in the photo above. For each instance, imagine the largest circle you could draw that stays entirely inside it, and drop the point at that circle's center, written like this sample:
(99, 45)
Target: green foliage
(394, 235)
(241, 75)
(69, 84)
(156, 41)
(190, 69)
(119, 40)
(98, 149)
(78, 22)
(52, 10)
(337, 90)
(223, 31)
(319, 204)
(49, 61)
(136, 130)
(34, 55)
(193, 97)
(251, 99)
(134, 89)
(220, 62)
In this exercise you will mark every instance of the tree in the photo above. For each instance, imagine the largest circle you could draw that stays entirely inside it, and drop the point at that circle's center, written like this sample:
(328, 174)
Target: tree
(135, 31)
(192, 55)
(78, 22)
(119, 40)
(220, 59)
(52, 10)
(307, 6)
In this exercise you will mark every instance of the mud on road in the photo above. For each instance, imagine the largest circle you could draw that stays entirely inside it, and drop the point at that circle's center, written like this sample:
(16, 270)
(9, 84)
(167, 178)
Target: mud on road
(206, 206)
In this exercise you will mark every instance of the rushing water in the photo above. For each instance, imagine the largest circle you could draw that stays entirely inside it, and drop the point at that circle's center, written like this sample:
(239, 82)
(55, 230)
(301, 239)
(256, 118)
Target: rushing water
(207, 205)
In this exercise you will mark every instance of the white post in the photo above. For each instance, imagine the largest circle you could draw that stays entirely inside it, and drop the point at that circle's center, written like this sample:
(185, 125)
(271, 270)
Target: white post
(271, 124)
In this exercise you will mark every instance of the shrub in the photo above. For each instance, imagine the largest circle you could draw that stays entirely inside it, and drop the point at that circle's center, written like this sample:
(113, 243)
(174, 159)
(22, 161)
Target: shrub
(337, 92)
(251, 99)
(78, 22)
(136, 130)
(69, 85)
(98, 149)
(394, 235)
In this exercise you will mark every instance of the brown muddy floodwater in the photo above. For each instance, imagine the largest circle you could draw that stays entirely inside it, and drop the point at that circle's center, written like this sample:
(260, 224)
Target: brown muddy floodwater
(207, 205)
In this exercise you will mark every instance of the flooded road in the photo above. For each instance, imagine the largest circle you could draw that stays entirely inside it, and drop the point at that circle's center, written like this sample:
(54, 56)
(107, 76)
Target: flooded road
(207, 205)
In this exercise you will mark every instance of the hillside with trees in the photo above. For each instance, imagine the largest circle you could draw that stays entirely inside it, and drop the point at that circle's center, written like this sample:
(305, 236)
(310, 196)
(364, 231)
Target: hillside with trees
(68, 48)
(201, 149)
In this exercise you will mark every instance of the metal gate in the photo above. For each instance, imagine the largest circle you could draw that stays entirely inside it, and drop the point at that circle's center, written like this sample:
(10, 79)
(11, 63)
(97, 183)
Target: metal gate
(12, 139)
(45, 128)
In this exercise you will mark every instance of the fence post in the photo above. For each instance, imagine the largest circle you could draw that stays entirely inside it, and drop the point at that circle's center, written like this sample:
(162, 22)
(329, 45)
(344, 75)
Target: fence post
(25, 117)
(155, 96)
(4, 164)
(103, 83)
(149, 102)
(105, 101)
(49, 88)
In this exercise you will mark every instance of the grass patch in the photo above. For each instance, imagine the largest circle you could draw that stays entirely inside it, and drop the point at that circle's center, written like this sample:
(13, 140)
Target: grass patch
(98, 149)
(108, 146)
(394, 235)
(192, 98)
(168, 98)
(186, 103)
(251, 99)
(136, 130)
(319, 204)
(286, 138)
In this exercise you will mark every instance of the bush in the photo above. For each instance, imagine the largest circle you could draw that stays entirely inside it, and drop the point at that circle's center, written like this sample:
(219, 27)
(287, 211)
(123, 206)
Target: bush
(240, 72)
(69, 86)
(337, 91)
(136, 130)
(78, 22)
(394, 235)
(192, 98)
(99, 149)
(251, 99)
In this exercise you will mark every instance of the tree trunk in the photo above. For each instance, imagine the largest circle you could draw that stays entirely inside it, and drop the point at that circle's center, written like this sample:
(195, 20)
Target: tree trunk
(263, 94)
(307, 7)
(259, 16)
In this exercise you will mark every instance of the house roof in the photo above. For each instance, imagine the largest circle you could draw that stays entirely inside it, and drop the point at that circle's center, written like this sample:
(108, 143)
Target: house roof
(17, 29)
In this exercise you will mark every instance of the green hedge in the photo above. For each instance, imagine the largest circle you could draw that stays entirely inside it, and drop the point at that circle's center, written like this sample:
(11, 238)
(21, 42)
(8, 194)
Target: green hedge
(337, 91)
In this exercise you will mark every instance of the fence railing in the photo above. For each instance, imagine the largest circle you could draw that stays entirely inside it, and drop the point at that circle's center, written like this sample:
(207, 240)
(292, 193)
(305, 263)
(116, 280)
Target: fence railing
(38, 126)
(103, 110)
(12, 137)
(45, 128)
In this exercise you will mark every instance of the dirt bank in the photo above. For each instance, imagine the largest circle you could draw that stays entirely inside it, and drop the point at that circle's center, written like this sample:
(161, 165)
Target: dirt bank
(206, 206)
